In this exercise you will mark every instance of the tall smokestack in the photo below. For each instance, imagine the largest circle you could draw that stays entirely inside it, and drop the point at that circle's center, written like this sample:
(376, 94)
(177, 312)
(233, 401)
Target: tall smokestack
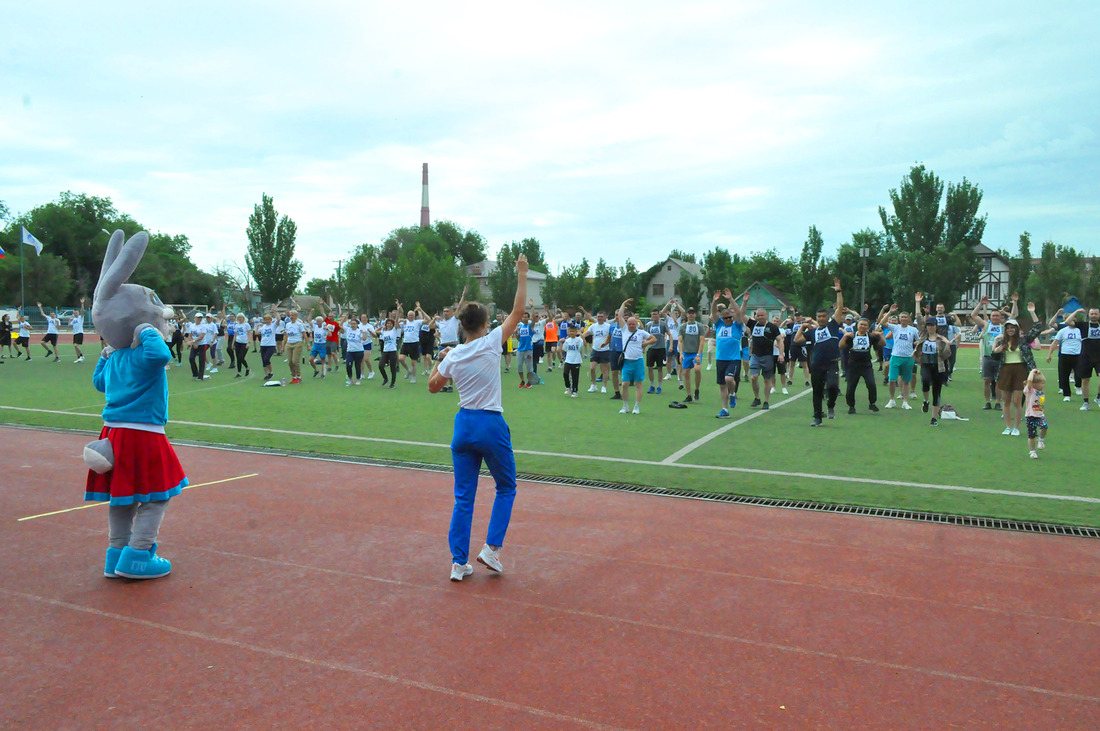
(424, 220)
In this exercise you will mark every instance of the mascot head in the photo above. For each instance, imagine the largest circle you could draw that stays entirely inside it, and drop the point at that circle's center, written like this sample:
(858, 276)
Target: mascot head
(120, 310)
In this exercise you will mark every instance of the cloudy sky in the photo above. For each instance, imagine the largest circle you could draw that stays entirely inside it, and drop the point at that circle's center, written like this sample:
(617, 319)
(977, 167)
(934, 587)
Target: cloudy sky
(614, 129)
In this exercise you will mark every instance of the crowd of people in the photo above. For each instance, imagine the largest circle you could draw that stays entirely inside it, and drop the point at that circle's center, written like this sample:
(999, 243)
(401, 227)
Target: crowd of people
(834, 351)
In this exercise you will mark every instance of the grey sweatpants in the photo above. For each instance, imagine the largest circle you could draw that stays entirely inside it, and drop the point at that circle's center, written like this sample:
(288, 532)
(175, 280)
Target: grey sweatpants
(137, 525)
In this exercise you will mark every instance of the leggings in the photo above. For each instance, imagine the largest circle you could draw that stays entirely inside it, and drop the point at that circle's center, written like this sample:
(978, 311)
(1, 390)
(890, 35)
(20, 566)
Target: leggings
(354, 358)
(826, 384)
(538, 352)
(572, 375)
(389, 360)
(241, 350)
(175, 348)
(930, 377)
(1067, 365)
(266, 351)
(198, 352)
(857, 371)
(135, 525)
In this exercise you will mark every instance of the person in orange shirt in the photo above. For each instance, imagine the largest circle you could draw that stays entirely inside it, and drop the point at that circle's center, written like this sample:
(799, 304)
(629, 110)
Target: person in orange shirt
(551, 332)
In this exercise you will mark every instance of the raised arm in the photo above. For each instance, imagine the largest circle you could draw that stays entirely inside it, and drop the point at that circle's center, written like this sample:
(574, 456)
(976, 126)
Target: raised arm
(518, 303)
(1015, 312)
(619, 318)
(838, 311)
(979, 320)
(885, 312)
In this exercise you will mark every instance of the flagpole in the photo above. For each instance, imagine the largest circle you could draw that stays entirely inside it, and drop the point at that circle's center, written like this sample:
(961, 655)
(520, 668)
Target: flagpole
(22, 303)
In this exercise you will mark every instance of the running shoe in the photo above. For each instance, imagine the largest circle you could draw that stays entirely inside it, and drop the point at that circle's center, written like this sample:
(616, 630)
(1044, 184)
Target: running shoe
(458, 571)
(681, 387)
(369, 376)
(817, 422)
(688, 399)
(723, 414)
(214, 370)
(832, 414)
(1042, 443)
(1078, 391)
(1084, 406)
(637, 409)
(573, 395)
(934, 422)
(490, 559)
(238, 376)
(997, 406)
(1065, 399)
(624, 409)
(755, 403)
(872, 407)
(652, 390)
(988, 406)
(315, 374)
(617, 397)
(764, 406)
(357, 383)
(567, 391)
(924, 407)
(785, 392)
(807, 383)
(1015, 432)
(1006, 432)
(412, 380)
(696, 394)
(905, 406)
(667, 376)
(58, 360)
(851, 409)
(771, 391)
(733, 400)
(913, 396)
(1033, 454)
(1097, 401)
(592, 388)
(659, 390)
(603, 389)
(347, 381)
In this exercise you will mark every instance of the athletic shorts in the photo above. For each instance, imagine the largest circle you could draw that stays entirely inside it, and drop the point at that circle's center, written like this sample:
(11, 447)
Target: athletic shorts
(886, 353)
(601, 356)
(798, 353)
(991, 367)
(23, 342)
(78, 339)
(1087, 367)
(318, 351)
(728, 369)
(617, 357)
(691, 360)
(633, 371)
(762, 365)
(674, 346)
(278, 338)
(655, 358)
(50, 338)
(900, 366)
(331, 346)
(526, 360)
(410, 350)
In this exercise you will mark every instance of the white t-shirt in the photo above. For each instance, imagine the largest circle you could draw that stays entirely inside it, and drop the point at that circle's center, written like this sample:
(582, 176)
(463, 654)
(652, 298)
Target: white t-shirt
(448, 331)
(475, 368)
(389, 340)
(209, 331)
(368, 332)
(77, 324)
(267, 334)
(1069, 340)
(599, 335)
(673, 326)
(411, 331)
(24, 329)
(51, 325)
(632, 343)
(294, 330)
(573, 348)
(241, 332)
(905, 338)
(354, 336)
(538, 331)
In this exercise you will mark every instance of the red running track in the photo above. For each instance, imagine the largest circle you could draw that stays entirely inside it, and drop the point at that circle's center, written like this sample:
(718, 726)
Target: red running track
(315, 595)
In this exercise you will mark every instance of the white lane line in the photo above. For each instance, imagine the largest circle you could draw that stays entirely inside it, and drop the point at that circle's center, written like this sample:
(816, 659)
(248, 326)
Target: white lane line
(339, 666)
(719, 432)
(597, 458)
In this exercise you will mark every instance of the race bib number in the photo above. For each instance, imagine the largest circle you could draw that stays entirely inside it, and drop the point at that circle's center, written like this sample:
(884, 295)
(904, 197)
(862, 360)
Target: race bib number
(758, 331)
(995, 330)
(822, 335)
(861, 342)
(1094, 332)
(903, 337)
(941, 321)
(691, 329)
(930, 348)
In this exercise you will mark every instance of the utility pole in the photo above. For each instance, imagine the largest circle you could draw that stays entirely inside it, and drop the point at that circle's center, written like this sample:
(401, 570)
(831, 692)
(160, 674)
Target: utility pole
(863, 253)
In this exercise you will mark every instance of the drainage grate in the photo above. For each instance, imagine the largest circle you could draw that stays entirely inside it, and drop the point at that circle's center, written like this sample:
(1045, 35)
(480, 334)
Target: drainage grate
(970, 521)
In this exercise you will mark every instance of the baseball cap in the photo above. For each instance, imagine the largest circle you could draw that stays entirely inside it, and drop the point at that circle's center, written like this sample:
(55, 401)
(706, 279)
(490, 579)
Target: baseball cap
(930, 321)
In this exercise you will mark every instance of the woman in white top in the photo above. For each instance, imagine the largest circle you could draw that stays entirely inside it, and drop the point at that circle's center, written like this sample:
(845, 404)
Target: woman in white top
(480, 432)
(241, 336)
(354, 353)
(388, 340)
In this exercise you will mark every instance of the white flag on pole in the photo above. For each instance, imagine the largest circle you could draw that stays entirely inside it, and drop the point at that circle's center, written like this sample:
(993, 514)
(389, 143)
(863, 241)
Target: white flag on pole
(28, 238)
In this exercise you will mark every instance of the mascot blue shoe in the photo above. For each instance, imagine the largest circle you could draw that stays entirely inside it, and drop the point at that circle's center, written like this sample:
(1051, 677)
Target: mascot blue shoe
(135, 564)
(111, 562)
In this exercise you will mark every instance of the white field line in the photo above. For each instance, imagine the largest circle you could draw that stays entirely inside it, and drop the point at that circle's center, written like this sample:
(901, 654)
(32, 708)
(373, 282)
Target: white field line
(719, 432)
(597, 458)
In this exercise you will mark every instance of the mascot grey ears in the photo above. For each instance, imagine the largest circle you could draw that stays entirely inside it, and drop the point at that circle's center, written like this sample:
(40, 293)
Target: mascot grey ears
(119, 310)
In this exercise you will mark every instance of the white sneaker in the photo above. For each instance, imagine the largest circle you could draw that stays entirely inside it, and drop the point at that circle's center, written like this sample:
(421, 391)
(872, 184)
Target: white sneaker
(667, 376)
(905, 405)
(1065, 399)
(206, 378)
(1015, 432)
(1006, 432)
(1042, 444)
(347, 381)
(784, 390)
(637, 409)
(1078, 391)
(603, 389)
(592, 388)
(412, 380)
(573, 395)
(213, 370)
(1097, 400)
(1033, 454)
(708, 366)
(891, 404)
(370, 375)
(624, 410)
(358, 383)
(407, 375)
(772, 391)
(912, 395)
(568, 391)
(1084, 406)
(490, 558)
(459, 570)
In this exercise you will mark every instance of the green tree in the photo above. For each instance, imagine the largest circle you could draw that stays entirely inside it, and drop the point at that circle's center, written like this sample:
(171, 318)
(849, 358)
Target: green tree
(5, 213)
(768, 266)
(571, 287)
(411, 264)
(318, 287)
(270, 256)
(721, 270)
(607, 289)
(502, 280)
(1056, 277)
(633, 283)
(935, 247)
(467, 247)
(814, 276)
(1019, 267)
(682, 256)
(689, 291)
(47, 278)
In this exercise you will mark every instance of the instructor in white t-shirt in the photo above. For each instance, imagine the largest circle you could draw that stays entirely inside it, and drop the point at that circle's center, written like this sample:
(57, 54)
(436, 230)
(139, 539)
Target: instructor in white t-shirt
(480, 431)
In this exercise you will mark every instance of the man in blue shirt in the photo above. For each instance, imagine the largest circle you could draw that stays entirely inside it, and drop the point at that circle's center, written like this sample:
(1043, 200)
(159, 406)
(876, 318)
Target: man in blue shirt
(825, 335)
(729, 325)
(525, 352)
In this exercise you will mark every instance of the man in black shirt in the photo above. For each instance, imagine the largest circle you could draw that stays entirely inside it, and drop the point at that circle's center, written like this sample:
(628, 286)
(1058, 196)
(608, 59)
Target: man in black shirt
(825, 335)
(861, 345)
(762, 355)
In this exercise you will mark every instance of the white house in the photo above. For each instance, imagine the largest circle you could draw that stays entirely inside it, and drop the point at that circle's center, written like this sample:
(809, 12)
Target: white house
(662, 287)
(992, 282)
(481, 270)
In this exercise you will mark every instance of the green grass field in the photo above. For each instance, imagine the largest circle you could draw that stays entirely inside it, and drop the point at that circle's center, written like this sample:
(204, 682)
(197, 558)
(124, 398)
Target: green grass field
(587, 437)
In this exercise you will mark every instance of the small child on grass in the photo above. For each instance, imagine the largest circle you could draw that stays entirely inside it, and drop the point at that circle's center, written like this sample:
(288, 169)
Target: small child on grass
(1034, 416)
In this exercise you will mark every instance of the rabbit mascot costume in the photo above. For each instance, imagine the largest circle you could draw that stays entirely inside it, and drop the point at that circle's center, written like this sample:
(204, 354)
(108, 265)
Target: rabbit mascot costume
(132, 465)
